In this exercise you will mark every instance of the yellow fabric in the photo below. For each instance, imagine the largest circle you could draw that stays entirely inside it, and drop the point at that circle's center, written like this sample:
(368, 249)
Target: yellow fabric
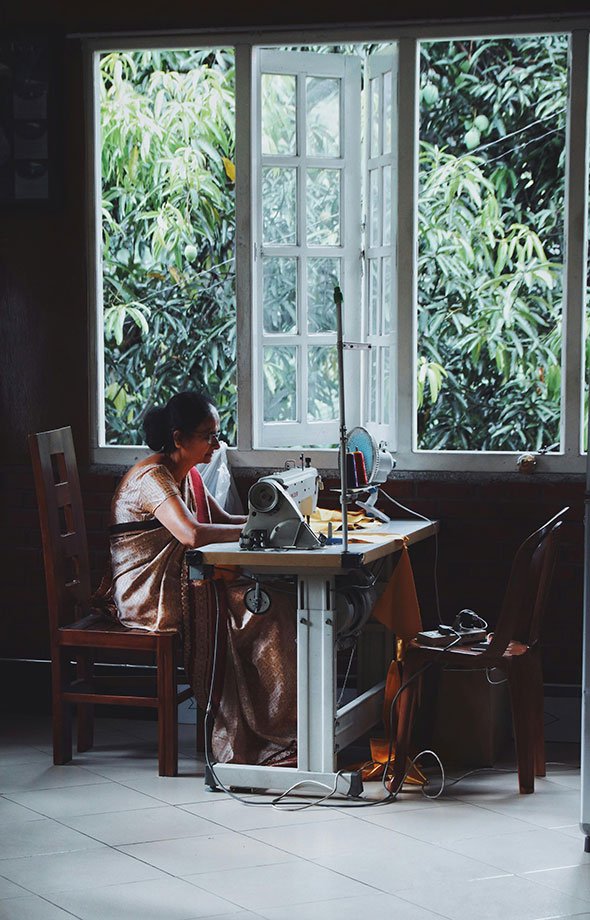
(380, 747)
(397, 607)
(321, 517)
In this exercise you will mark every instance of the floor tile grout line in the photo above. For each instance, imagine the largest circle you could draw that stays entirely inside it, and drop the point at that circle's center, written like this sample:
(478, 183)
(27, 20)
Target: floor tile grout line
(114, 884)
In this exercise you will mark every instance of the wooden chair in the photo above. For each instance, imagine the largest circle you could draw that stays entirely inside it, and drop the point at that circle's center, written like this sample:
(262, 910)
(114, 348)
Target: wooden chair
(78, 632)
(515, 649)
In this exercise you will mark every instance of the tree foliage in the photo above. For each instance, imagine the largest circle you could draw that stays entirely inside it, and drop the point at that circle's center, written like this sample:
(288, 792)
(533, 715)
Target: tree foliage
(490, 234)
(168, 233)
(490, 243)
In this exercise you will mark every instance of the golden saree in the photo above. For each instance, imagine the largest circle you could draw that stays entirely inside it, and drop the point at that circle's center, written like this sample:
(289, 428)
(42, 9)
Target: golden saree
(244, 664)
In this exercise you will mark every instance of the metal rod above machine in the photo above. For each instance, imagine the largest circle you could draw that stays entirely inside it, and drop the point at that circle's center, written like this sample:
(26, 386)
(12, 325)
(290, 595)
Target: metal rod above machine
(343, 437)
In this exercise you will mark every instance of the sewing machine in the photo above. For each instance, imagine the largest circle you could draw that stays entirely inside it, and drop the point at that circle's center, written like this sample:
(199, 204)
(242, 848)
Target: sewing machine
(277, 507)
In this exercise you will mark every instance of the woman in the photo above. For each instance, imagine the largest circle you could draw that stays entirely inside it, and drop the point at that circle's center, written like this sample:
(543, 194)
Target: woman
(160, 509)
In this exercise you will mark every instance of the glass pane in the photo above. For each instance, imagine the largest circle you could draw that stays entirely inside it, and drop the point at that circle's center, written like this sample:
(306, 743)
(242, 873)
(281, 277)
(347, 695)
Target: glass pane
(385, 386)
(322, 400)
(387, 113)
(387, 296)
(279, 294)
(375, 117)
(387, 205)
(375, 209)
(373, 382)
(165, 214)
(279, 206)
(278, 114)
(322, 278)
(491, 242)
(323, 117)
(280, 383)
(323, 207)
(373, 295)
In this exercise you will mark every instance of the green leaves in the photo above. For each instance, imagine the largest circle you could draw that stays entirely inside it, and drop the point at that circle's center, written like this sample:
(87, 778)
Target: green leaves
(430, 375)
(168, 218)
(490, 243)
(116, 317)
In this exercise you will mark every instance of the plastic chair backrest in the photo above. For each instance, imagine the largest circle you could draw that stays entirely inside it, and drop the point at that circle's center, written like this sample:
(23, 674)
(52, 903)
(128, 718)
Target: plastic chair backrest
(527, 593)
(63, 528)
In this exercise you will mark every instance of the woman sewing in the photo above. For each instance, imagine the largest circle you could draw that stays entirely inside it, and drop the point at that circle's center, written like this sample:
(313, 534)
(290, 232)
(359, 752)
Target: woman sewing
(161, 508)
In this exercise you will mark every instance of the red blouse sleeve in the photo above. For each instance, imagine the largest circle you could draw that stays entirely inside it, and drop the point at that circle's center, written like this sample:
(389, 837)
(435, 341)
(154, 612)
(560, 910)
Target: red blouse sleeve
(202, 505)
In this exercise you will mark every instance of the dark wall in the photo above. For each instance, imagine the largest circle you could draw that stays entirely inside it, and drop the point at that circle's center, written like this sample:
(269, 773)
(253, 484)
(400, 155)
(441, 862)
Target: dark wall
(44, 356)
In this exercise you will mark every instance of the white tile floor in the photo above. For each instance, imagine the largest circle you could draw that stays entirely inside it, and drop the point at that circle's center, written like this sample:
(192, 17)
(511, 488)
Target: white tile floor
(105, 838)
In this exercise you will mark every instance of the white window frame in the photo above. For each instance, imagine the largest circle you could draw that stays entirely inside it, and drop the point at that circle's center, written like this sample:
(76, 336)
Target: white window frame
(347, 71)
(570, 460)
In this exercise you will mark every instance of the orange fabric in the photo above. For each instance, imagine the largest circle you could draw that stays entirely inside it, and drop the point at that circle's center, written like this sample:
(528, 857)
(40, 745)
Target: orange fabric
(398, 608)
(373, 770)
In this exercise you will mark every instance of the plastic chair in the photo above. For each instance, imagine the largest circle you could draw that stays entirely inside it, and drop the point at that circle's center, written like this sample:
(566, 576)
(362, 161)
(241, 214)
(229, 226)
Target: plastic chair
(514, 648)
(78, 632)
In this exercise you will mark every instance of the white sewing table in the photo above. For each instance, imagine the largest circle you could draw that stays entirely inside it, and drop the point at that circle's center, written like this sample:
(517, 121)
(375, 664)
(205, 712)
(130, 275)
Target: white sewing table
(322, 729)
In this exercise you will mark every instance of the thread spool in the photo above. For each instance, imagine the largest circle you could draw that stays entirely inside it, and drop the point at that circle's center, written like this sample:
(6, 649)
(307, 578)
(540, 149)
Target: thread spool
(360, 468)
(351, 470)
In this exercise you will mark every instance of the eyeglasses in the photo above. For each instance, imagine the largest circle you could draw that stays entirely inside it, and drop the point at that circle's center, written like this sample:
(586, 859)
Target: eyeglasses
(211, 436)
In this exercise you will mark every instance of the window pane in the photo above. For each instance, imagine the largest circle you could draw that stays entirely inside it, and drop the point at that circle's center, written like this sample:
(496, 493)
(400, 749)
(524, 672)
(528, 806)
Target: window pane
(387, 296)
(372, 385)
(280, 383)
(323, 383)
(279, 207)
(490, 236)
(322, 278)
(278, 114)
(323, 117)
(387, 215)
(386, 386)
(375, 117)
(168, 222)
(279, 296)
(323, 207)
(375, 209)
(387, 114)
(373, 296)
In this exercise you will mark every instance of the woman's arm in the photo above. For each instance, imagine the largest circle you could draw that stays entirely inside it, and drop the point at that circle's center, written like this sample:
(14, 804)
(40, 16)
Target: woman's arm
(220, 516)
(182, 524)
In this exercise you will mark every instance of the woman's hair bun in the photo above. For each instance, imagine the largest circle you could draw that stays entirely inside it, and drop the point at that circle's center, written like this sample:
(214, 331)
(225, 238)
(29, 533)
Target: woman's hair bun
(155, 426)
(183, 412)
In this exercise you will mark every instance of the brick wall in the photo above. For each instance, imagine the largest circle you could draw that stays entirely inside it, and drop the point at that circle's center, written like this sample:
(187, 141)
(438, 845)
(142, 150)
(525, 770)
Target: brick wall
(482, 521)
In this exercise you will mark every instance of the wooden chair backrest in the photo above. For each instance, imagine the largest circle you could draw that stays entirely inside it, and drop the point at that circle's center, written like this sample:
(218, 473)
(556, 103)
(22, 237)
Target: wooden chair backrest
(527, 593)
(63, 528)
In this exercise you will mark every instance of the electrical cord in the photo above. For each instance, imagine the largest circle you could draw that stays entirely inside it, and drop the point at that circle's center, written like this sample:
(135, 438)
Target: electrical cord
(278, 801)
(345, 681)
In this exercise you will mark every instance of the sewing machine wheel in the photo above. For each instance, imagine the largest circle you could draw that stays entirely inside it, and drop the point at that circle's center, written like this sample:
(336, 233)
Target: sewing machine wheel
(256, 600)
(263, 496)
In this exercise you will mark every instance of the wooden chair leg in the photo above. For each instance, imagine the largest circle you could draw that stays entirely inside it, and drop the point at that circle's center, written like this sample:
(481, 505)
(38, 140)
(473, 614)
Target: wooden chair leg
(167, 707)
(406, 706)
(85, 734)
(61, 714)
(522, 694)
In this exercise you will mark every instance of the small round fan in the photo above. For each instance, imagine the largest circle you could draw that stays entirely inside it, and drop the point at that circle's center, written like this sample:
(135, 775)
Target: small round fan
(378, 461)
